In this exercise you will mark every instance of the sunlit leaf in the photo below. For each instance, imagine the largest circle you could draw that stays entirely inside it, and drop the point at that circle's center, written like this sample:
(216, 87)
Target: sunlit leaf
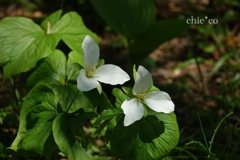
(51, 20)
(149, 138)
(35, 130)
(120, 97)
(72, 31)
(59, 74)
(22, 44)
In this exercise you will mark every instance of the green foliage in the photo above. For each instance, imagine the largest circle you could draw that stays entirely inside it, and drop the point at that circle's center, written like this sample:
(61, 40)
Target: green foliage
(120, 97)
(44, 127)
(65, 128)
(58, 72)
(35, 136)
(24, 43)
(107, 115)
(150, 138)
(54, 111)
(3, 151)
(153, 36)
(125, 15)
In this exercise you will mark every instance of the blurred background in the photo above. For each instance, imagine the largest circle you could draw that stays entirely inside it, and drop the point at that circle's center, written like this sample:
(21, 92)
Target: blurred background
(198, 65)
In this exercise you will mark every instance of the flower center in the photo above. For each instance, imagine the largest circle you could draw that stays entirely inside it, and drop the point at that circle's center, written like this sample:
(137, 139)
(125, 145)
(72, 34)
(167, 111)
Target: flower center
(91, 70)
(141, 97)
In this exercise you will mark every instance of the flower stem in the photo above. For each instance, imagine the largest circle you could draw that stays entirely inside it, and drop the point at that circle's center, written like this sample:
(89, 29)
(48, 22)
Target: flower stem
(214, 133)
(72, 101)
(16, 97)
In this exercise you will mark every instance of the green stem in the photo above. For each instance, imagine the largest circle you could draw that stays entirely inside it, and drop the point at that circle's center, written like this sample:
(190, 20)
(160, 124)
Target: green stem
(62, 4)
(72, 101)
(200, 74)
(16, 97)
(215, 131)
(14, 91)
(186, 151)
(204, 137)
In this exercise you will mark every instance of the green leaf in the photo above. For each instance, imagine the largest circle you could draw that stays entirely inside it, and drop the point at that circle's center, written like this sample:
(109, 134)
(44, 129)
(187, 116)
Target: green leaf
(64, 136)
(34, 136)
(120, 97)
(106, 115)
(23, 44)
(220, 63)
(3, 151)
(52, 19)
(128, 91)
(104, 102)
(73, 31)
(77, 66)
(100, 63)
(188, 62)
(150, 138)
(134, 72)
(130, 18)
(153, 88)
(74, 65)
(99, 88)
(155, 35)
(52, 70)
(56, 72)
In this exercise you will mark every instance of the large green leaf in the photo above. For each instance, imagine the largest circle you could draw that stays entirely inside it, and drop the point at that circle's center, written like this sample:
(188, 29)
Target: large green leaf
(58, 73)
(128, 17)
(44, 127)
(150, 138)
(35, 130)
(73, 31)
(153, 36)
(52, 20)
(65, 129)
(23, 43)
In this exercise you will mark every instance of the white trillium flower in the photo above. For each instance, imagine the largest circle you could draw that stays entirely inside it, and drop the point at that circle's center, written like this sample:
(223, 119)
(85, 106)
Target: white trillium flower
(90, 75)
(158, 101)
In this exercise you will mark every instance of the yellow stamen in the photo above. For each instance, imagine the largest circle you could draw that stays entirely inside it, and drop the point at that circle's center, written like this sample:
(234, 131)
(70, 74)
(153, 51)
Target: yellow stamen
(141, 97)
(91, 71)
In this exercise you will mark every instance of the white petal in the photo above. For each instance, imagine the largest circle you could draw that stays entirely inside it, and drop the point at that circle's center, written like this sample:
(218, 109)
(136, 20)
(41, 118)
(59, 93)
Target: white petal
(84, 83)
(91, 52)
(159, 101)
(133, 110)
(143, 80)
(111, 74)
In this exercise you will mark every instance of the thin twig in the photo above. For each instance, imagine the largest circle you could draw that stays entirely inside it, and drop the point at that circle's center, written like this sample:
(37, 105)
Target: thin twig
(215, 131)
(200, 74)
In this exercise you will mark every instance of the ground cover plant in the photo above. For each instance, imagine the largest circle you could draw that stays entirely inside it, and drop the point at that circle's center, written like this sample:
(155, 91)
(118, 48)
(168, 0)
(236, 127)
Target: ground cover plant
(119, 80)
